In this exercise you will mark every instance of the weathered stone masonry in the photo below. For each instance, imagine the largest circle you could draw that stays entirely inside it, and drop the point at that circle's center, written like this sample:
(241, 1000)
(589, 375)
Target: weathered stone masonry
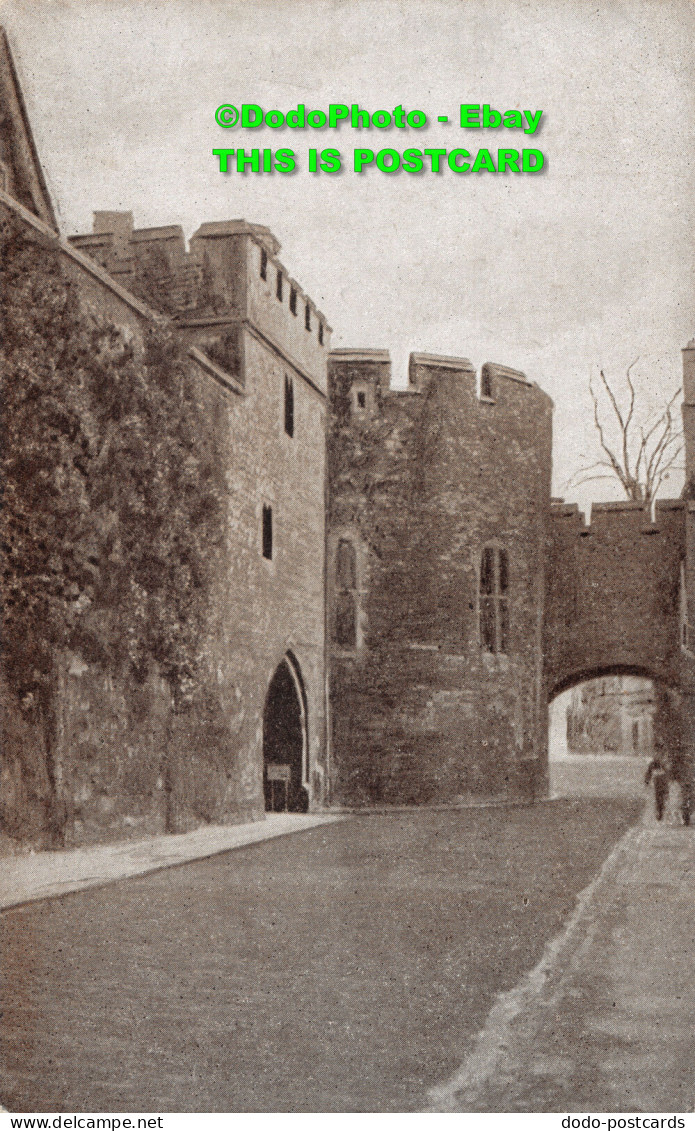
(422, 482)
(415, 525)
(428, 487)
(265, 608)
(613, 592)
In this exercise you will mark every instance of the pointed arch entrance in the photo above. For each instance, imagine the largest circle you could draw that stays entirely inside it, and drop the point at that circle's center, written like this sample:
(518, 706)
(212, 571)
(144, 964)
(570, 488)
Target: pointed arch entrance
(285, 739)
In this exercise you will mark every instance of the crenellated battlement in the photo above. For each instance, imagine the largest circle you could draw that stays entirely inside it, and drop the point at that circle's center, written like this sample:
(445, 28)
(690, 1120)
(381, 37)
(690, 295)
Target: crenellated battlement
(228, 278)
(618, 517)
(361, 378)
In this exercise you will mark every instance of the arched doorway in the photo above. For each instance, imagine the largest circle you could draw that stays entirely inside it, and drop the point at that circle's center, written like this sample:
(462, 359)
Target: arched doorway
(284, 739)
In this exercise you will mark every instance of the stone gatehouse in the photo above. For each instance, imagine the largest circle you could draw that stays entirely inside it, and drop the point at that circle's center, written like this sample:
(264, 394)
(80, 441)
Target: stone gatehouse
(397, 597)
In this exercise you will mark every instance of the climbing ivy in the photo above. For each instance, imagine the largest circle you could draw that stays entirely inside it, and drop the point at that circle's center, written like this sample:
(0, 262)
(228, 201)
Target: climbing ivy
(112, 492)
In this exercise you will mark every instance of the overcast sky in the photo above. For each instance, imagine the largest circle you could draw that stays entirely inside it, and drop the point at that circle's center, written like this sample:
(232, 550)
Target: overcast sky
(588, 264)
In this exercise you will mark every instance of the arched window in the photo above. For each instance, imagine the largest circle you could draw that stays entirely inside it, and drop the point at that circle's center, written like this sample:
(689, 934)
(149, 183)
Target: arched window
(494, 600)
(345, 619)
(345, 565)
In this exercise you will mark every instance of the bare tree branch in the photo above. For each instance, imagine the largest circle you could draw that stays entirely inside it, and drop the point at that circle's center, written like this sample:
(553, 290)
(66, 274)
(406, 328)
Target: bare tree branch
(588, 479)
(602, 439)
(644, 452)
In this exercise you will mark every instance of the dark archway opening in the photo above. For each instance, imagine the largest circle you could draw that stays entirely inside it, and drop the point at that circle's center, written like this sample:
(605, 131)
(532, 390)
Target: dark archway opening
(284, 741)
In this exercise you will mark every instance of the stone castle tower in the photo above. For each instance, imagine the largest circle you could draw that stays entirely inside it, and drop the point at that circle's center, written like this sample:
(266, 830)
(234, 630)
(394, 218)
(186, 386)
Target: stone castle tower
(438, 507)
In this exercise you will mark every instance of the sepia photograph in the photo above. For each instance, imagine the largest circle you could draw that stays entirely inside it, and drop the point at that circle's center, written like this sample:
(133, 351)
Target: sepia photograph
(347, 668)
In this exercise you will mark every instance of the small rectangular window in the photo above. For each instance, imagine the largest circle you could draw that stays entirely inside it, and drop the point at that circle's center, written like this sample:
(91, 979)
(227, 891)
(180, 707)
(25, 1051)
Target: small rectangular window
(486, 383)
(264, 263)
(278, 286)
(293, 300)
(307, 317)
(320, 333)
(267, 532)
(289, 406)
(504, 625)
(361, 399)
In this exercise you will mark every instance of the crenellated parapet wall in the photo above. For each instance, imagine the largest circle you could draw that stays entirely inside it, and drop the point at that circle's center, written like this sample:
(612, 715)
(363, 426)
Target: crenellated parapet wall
(459, 420)
(423, 482)
(229, 283)
(613, 591)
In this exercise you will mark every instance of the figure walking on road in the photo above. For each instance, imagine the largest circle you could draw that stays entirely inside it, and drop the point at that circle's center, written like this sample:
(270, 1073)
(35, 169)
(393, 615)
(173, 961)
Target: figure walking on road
(660, 770)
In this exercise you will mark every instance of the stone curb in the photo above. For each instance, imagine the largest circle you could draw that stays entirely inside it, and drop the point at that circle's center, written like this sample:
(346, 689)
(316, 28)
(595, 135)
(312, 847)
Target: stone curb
(47, 875)
(500, 1062)
(494, 1039)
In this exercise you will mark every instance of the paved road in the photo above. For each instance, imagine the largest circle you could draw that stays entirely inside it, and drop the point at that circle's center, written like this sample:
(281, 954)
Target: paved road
(598, 775)
(347, 968)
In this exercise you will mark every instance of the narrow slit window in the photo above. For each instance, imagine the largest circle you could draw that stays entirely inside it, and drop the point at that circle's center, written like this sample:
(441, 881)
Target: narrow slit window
(289, 406)
(267, 532)
(278, 287)
(293, 300)
(487, 624)
(320, 333)
(307, 317)
(493, 600)
(264, 263)
(487, 572)
(361, 399)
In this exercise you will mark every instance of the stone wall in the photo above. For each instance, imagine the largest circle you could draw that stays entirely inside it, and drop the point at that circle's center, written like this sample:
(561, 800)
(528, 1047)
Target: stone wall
(264, 609)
